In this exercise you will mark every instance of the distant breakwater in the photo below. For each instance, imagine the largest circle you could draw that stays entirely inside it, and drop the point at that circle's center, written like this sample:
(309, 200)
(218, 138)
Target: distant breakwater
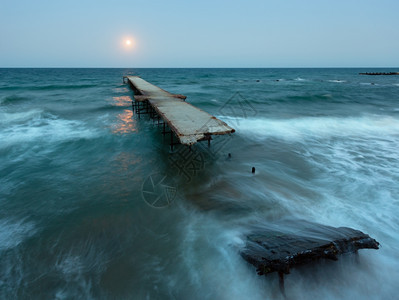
(380, 73)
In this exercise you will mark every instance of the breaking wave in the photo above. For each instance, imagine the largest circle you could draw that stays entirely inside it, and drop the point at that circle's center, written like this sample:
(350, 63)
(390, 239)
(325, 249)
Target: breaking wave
(301, 128)
(38, 126)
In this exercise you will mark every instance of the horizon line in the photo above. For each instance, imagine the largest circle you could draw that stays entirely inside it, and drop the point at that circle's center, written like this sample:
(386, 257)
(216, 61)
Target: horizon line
(324, 67)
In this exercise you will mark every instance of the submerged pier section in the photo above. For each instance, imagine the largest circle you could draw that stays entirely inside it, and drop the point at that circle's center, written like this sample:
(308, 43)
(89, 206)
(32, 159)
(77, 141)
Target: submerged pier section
(189, 123)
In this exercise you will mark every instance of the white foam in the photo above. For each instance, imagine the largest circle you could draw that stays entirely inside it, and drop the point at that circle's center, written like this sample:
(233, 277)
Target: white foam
(300, 79)
(205, 237)
(33, 126)
(368, 83)
(12, 233)
(7, 118)
(76, 285)
(304, 127)
(337, 81)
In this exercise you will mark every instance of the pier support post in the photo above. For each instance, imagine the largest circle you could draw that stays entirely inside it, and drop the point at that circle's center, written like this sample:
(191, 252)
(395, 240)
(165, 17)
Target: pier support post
(281, 282)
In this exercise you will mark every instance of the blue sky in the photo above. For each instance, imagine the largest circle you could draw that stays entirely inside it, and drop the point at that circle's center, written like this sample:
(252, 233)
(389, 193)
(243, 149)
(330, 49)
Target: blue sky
(183, 33)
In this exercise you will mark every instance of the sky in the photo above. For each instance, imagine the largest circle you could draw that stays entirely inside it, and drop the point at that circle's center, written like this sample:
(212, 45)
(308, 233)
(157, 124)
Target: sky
(184, 33)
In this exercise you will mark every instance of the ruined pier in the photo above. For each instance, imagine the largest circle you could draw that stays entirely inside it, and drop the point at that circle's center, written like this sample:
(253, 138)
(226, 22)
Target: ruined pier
(188, 123)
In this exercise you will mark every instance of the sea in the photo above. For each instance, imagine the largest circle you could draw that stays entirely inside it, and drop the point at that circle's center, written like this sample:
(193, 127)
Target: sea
(95, 204)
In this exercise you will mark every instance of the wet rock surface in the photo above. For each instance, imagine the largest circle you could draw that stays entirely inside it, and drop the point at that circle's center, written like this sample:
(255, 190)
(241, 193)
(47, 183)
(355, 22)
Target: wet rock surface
(299, 243)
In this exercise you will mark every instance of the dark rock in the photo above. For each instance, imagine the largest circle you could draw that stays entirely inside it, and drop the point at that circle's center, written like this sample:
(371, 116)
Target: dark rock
(300, 242)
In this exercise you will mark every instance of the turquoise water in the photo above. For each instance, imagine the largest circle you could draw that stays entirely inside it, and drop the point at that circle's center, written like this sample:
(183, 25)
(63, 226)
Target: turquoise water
(77, 221)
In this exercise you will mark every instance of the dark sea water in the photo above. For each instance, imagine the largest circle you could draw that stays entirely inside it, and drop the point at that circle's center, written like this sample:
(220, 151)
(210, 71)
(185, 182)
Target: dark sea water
(76, 221)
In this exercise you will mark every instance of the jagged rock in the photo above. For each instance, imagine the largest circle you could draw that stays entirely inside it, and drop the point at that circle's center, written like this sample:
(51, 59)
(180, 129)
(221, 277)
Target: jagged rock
(281, 247)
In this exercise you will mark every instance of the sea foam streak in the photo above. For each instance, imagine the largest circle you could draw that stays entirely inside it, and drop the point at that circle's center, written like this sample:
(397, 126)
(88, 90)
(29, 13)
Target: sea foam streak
(74, 224)
(337, 81)
(35, 126)
(12, 233)
(303, 127)
(7, 118)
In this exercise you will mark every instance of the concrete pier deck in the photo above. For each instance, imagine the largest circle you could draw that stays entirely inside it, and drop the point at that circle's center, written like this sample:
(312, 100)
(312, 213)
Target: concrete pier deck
(189, 123)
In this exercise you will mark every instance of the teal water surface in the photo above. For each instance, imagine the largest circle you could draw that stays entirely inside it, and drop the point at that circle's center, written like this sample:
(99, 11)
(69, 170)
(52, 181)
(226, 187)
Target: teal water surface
(78, 218)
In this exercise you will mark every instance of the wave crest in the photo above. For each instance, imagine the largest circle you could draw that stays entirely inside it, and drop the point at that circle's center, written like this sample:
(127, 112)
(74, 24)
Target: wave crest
(301, 128)
(38, 126)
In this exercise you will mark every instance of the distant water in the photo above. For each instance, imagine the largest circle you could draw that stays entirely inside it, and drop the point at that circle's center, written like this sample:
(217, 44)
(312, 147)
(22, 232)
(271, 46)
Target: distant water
(78, 218)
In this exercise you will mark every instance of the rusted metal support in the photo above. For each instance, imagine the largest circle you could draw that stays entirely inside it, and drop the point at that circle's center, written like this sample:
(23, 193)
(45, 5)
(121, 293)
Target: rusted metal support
(153, 114)
(164, 130)
(140, 98)
(281, 282)
(179, 96)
